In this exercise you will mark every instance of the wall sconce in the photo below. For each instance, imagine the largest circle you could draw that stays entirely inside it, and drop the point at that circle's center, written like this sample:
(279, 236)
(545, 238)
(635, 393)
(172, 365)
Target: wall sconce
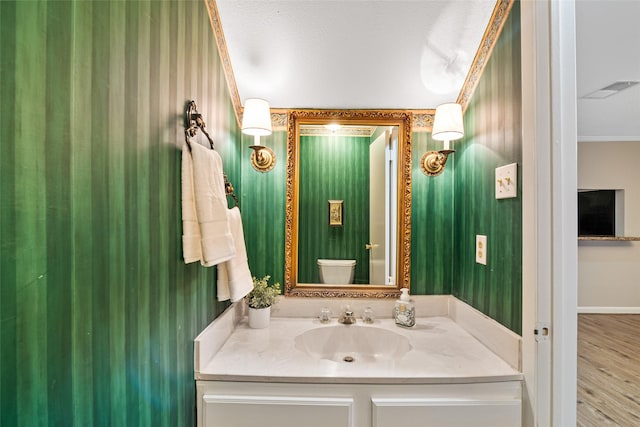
(447, 126)
(256, 121)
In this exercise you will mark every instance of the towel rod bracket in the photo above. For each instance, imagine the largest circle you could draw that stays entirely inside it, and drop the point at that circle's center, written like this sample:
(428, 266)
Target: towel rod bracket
(193, 122)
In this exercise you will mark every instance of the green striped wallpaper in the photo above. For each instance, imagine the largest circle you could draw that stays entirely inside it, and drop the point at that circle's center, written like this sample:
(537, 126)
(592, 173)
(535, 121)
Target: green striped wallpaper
(432, 216)
(333, 168)
(98, 312)
(492, 138)
(262, 202)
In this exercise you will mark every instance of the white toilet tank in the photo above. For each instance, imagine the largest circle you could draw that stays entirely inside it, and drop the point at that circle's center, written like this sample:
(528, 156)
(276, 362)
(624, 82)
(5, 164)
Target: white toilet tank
(336, 271)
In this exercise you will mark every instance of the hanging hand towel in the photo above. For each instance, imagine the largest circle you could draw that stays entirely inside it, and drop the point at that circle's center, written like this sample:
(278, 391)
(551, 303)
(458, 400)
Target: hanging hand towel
(211, 206)
(191, 249)
(234, 278)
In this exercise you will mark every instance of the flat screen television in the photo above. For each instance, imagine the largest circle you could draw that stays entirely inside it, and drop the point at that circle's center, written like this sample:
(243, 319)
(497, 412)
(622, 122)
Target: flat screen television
(597, 213)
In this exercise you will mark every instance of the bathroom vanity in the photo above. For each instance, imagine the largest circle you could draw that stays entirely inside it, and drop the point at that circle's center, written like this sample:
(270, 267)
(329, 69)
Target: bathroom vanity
(456, 367)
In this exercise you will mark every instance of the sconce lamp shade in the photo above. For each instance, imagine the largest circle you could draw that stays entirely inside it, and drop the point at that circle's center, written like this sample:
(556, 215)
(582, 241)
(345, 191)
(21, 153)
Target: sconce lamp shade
(256, 118)
(256, 121)
(447, 124)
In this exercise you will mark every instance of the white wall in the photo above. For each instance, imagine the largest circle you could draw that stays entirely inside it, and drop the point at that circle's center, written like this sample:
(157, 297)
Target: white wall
(609, 272)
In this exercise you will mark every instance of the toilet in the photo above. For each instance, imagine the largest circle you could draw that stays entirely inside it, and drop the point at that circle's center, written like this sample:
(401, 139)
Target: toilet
(336, 271)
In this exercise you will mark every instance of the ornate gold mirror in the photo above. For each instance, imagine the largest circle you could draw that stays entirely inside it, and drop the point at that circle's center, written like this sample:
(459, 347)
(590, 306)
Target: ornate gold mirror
(348, 203)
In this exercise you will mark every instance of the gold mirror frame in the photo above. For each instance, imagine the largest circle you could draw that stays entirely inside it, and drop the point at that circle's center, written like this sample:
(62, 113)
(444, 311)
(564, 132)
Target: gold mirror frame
(402, 119)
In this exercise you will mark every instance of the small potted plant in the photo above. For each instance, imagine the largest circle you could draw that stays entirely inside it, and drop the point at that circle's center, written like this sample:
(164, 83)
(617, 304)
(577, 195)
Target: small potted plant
(260, 300)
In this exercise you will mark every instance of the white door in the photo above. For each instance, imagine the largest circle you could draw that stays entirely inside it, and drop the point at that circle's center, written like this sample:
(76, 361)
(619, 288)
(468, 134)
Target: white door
(377, 210)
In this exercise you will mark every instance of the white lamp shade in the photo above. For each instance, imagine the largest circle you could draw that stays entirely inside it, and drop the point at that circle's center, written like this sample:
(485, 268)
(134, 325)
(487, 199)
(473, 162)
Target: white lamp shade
(447, 124)
(256, 117)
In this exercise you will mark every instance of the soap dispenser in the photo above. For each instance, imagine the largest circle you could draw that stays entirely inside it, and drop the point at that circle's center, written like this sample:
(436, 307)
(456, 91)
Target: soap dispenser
(404, 311)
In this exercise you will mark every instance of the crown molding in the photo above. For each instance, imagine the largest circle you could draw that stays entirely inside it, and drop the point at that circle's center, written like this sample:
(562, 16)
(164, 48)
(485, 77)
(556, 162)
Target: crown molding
(216, 26)
(488, 42)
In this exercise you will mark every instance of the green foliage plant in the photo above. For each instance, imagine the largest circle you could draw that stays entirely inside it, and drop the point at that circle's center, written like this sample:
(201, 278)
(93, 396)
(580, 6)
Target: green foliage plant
(263, 295)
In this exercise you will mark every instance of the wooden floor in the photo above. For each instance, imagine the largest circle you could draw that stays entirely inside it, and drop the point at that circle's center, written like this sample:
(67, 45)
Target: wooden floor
(608, 370)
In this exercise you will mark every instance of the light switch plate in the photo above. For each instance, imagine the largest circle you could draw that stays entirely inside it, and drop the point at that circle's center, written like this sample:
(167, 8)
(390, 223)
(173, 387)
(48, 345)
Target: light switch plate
(481, 249)
(507, 181)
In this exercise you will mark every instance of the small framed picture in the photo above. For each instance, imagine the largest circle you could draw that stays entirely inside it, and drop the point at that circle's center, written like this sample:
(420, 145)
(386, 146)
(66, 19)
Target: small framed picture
(335, 213)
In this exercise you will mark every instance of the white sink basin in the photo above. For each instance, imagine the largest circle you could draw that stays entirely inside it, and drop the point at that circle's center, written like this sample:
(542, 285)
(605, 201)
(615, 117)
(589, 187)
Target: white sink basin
(352, 343)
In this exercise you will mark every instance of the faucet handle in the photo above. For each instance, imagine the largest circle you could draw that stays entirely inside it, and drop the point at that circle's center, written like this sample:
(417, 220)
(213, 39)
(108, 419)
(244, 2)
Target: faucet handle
(367, 315)
(325, 314)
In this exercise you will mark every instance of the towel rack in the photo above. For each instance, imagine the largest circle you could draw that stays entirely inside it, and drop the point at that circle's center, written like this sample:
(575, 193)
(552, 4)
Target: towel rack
(193, 122)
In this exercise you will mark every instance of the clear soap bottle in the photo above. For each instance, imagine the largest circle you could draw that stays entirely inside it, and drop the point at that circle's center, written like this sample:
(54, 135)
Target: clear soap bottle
(404, 311)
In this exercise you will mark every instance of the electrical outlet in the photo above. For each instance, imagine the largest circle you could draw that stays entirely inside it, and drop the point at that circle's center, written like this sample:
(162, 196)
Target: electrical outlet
(507, 181)
(481, 249)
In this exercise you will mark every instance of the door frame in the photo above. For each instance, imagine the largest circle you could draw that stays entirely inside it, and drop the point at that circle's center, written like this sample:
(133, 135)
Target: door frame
(549, 176)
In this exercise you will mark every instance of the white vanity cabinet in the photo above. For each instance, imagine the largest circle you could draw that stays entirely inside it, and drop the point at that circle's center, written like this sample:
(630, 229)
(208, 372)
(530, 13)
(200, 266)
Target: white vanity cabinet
(281, 411)
(247, 404)
(448, 378)
(446, 412)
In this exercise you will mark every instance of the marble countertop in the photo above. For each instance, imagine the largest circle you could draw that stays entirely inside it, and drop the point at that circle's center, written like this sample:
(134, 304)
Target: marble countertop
(442, 352)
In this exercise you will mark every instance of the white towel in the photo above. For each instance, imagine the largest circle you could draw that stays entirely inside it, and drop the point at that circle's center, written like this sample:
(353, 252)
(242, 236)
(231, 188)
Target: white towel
(208, 227)
(211, 206)
(191, 249)
(234, 278)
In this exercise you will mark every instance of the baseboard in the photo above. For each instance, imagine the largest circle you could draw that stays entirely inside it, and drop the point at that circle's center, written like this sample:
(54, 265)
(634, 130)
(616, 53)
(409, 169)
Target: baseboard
(608, 310)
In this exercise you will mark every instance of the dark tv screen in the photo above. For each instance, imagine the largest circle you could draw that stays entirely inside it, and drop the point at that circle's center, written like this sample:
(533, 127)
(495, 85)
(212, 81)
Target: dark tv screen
(597, 213)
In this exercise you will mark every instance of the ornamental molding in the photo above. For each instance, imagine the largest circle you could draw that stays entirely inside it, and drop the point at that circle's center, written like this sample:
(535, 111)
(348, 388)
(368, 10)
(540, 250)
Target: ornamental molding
(488, 42)
(296, 117)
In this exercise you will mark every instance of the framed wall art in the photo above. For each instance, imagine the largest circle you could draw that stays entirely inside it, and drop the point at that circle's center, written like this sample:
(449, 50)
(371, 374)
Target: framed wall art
(335, 213)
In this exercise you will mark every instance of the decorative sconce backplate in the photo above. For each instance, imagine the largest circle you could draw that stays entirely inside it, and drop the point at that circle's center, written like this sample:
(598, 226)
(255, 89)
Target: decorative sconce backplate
(263, 159)
(433, 162)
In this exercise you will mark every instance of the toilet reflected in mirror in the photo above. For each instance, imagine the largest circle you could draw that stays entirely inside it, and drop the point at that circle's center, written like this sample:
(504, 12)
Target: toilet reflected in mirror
(336, 271)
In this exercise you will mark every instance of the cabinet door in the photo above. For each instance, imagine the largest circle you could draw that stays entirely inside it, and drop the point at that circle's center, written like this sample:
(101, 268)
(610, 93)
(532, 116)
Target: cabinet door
(281, 411)
(432, 412)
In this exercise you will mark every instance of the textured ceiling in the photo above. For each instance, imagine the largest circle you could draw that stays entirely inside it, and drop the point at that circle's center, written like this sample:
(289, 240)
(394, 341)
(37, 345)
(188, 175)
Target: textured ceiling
(608, 36)
(349, 54)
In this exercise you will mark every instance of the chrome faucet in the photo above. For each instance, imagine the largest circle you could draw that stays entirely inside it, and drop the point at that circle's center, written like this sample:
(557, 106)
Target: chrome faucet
(347, 318)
